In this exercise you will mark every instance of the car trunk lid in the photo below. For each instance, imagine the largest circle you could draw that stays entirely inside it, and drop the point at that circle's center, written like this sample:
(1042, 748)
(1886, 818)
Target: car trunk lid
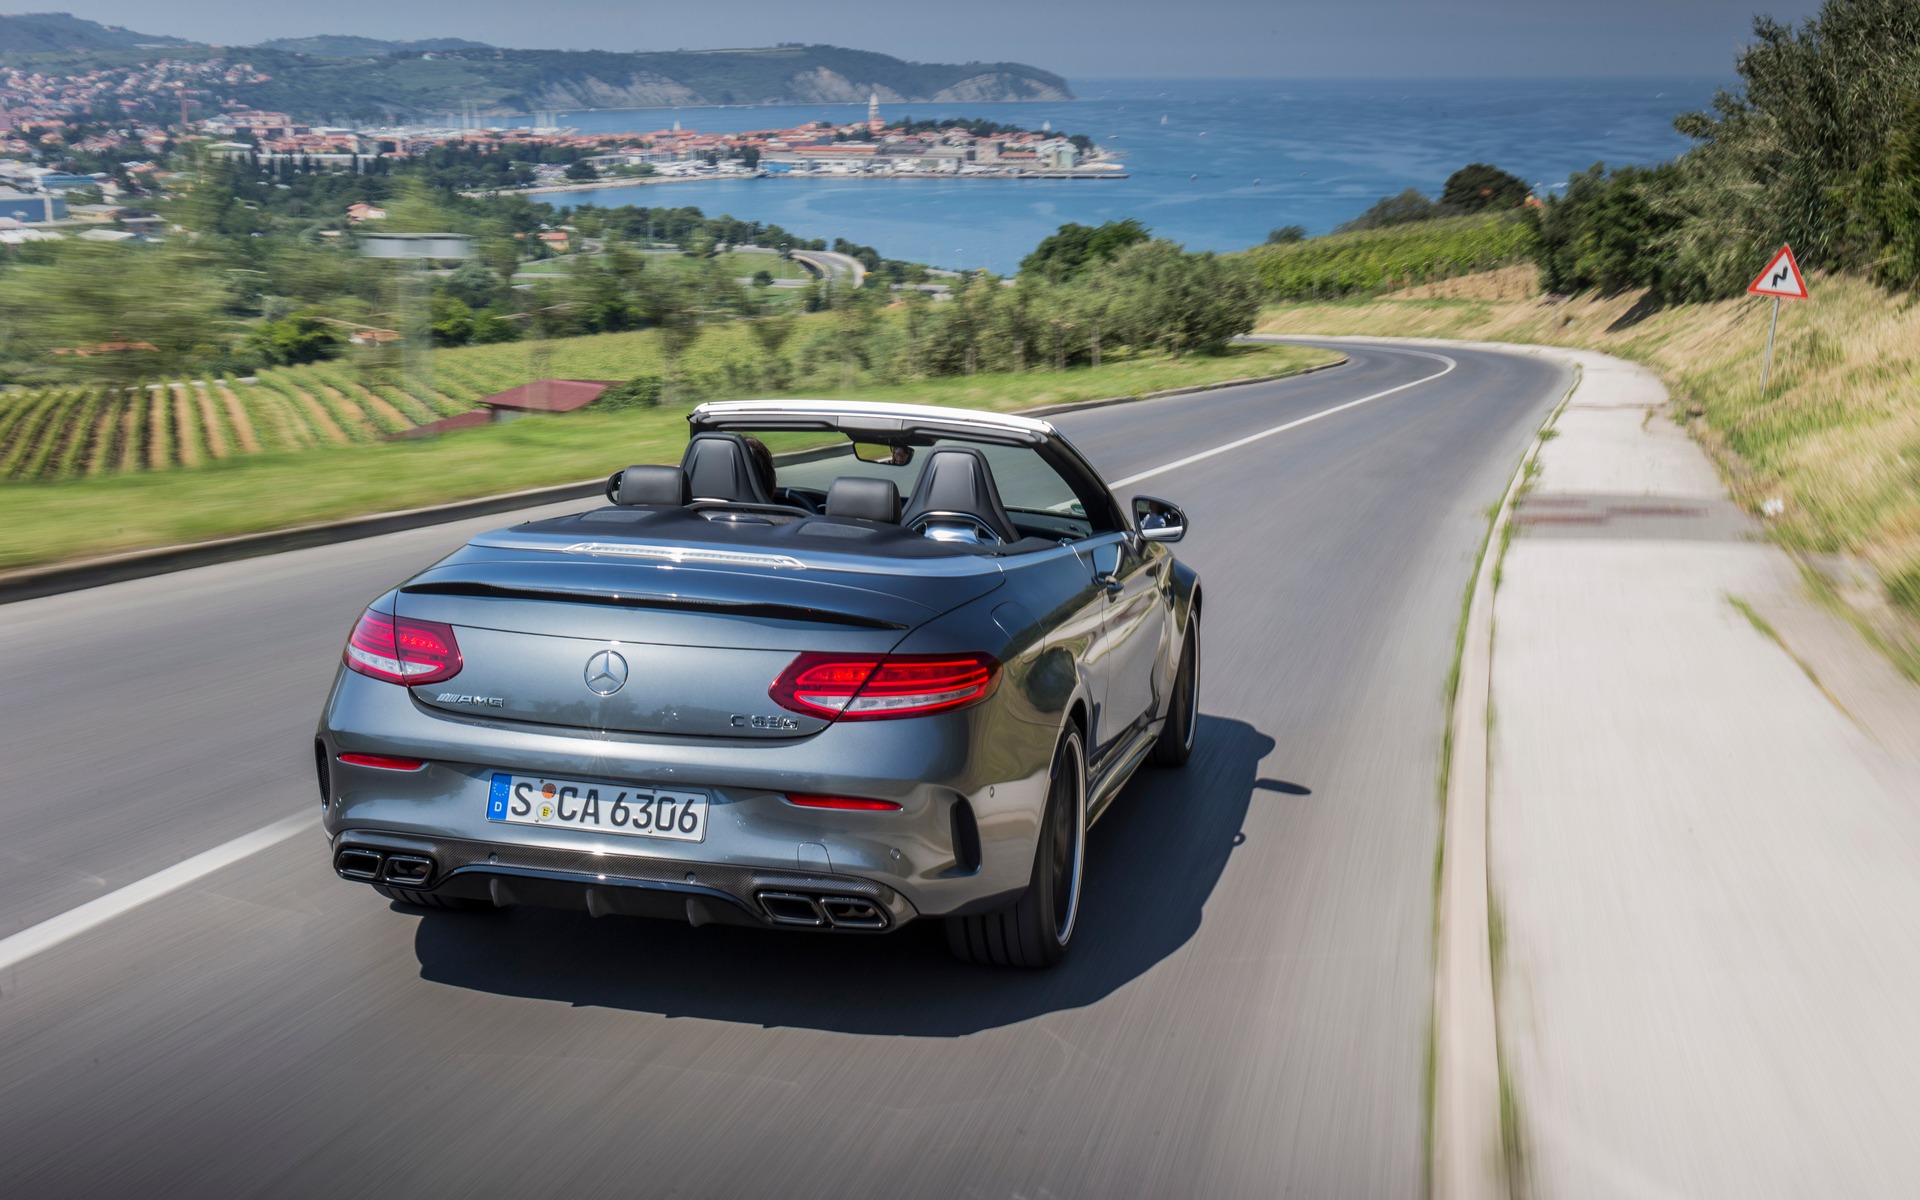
(613, 642)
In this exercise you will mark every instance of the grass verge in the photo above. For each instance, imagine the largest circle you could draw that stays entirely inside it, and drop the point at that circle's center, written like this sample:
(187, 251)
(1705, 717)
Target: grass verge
(1836, 438)
(79, 518)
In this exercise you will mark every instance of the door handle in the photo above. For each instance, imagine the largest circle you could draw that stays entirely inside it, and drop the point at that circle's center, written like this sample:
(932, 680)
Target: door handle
(1112, 583)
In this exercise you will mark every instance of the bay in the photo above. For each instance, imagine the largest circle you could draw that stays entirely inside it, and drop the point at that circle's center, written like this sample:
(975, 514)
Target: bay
(1214, 164)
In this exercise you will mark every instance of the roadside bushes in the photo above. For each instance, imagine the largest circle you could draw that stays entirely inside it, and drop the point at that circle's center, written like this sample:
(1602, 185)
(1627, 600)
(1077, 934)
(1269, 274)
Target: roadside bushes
(1819, 147)
(1151, 295)
(642, 391)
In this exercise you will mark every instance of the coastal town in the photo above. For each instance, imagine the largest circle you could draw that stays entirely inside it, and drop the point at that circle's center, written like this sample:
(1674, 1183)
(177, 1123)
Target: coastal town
(48, 122)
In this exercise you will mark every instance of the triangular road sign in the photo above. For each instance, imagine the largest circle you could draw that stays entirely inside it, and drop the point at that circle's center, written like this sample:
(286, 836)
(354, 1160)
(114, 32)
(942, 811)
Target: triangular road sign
(1781, 278)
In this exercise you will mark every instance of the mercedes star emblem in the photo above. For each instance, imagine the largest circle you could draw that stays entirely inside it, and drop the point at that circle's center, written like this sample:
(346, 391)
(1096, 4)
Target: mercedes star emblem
(606, 673)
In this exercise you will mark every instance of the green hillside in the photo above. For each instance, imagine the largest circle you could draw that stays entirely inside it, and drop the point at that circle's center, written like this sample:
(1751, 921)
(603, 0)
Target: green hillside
(1374, 260)
(42, 33)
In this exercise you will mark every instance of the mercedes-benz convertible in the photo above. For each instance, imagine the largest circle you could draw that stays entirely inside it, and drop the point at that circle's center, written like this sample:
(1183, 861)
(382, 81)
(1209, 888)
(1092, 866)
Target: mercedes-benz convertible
(893, 672)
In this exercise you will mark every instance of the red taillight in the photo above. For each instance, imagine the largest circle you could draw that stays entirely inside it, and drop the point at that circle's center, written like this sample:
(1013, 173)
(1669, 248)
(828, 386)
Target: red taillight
(869, 687)
(402, 650)
(383, 761)
(849, 803)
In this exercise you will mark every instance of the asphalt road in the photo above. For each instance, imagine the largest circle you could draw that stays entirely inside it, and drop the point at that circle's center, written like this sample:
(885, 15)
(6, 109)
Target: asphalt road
(1244, 1013)
(833, 265)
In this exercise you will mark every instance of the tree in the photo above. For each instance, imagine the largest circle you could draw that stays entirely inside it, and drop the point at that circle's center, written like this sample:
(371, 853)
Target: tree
(490, 326)
(1286, 235)
(473, 284)
(642, 391)
(772, 331)
(1404, 209)
(1479, 186)
(295, 339)
(134, 310)
(581, 170)
(450, 320)
(1066, 252)
(1183, 302)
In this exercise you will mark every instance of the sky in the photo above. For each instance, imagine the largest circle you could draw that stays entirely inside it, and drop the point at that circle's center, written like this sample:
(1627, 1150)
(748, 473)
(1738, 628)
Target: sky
(1084, 39)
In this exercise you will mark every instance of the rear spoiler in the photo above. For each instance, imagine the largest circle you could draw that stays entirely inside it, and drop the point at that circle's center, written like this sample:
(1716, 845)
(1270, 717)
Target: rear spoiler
(761, 609)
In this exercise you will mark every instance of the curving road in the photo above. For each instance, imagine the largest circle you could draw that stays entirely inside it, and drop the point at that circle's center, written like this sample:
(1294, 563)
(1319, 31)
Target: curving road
(832, 266)
(1245, 1013)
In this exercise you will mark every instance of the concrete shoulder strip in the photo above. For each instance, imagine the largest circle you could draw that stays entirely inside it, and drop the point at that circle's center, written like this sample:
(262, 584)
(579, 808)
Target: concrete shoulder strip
(1469, 1150)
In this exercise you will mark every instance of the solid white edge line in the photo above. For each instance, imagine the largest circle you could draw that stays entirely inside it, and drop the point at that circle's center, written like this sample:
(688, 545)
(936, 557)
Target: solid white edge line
(96, 912)
(70, 924)
(1190, 459)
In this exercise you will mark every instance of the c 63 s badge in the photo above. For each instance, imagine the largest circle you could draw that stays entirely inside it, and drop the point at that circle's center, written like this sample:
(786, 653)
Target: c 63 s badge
(744, 721)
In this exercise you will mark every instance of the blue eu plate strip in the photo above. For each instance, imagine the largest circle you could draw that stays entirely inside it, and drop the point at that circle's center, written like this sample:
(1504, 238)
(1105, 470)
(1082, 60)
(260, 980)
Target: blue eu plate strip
(497, 801)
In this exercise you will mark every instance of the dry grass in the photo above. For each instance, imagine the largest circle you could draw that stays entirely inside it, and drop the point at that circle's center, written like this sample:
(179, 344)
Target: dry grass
(1506, 284)
(1837, 437)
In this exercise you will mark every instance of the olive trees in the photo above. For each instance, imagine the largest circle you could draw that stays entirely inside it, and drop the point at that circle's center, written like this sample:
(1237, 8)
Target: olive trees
(1151, 295)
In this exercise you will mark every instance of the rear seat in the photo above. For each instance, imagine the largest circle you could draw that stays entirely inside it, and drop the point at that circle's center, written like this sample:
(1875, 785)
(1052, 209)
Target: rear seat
(864, 499)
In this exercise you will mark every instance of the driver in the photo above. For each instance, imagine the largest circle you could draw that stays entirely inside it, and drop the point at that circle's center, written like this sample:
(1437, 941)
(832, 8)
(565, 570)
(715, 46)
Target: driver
(762, 459)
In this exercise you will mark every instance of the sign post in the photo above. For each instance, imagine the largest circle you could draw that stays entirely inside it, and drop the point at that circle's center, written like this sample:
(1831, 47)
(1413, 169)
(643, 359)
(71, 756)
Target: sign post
(1781, 279)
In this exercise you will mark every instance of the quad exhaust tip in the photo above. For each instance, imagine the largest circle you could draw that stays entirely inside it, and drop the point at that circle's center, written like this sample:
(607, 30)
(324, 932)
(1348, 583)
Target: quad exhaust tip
(358, 864)
(372, 866)
(816, 912)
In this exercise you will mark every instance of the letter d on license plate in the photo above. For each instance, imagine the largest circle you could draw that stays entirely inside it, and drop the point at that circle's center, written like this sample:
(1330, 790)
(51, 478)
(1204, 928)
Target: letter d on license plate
(604, 808)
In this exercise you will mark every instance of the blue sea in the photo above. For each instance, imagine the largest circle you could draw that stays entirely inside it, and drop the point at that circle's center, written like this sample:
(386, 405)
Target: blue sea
(1214, 164)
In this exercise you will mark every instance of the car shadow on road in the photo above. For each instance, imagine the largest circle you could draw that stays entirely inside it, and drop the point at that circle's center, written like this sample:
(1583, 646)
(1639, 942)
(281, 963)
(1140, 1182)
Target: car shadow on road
(1153, 862)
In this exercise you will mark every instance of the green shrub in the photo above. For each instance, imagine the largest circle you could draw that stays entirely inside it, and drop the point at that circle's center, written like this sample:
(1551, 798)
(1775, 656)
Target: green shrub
(642, 391)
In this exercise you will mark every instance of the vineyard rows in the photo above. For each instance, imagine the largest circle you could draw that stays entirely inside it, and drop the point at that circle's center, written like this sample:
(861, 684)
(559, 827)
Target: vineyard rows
(80, 430)
(1379, 260)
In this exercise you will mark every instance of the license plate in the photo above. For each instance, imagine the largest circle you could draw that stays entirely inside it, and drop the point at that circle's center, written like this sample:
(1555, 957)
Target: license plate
(604, 808)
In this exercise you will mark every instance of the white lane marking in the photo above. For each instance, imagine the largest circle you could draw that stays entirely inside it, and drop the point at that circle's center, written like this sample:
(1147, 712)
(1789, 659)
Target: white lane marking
(49, 933)
(94, 913)
(1190, 459)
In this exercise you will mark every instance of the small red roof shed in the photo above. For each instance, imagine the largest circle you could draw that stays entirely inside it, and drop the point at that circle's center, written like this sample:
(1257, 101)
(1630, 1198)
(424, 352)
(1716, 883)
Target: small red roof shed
(549, 395)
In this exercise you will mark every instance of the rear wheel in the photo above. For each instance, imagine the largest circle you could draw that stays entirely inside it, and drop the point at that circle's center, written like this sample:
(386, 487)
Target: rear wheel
(429, 900)
(1175, 744)
(1035, 930)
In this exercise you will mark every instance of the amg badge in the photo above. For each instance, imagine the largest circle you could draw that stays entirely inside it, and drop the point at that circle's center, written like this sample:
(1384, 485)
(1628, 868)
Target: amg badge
(460, 698)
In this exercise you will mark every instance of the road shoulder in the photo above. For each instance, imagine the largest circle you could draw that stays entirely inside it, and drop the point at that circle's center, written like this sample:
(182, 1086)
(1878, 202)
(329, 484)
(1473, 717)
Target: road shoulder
(1703, 839)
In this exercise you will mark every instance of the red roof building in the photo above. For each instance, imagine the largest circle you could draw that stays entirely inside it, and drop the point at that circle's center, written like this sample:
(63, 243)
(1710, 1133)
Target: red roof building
(548, 395)
(541, 396)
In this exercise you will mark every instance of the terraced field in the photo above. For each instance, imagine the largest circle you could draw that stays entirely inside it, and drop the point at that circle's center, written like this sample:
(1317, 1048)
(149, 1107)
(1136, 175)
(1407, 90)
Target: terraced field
(1372, 261)
(67, 432)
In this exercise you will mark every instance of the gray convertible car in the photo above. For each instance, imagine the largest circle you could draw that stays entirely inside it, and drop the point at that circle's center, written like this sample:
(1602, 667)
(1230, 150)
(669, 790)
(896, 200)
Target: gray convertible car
(894, 673)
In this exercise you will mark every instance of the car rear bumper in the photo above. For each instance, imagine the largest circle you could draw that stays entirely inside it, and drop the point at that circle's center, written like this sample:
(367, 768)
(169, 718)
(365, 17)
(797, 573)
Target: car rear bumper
(962, 840)
(696, 892)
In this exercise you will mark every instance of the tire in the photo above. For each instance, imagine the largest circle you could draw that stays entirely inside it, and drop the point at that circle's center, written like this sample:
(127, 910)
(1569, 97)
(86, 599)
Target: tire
(429, 900)
(1035, 930)
(1175, 744)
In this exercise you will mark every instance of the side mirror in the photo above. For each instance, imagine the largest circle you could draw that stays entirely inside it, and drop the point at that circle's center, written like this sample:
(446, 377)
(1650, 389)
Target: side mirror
(1159, 520)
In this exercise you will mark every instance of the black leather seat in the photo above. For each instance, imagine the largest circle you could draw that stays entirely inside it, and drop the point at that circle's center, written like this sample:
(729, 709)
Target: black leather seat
(720, 467)
(957, 479)
(652, 486)
(864, 499)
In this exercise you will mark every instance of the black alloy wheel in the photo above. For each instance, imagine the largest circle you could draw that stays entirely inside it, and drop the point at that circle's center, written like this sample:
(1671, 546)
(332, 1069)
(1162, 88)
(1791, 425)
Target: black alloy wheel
(1036, 929)
(1175, 744)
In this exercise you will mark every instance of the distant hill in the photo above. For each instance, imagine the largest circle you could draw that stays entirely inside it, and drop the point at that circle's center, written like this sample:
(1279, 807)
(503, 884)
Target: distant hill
(497, 82)
(40, 33)
(347, 45)
(347, 77)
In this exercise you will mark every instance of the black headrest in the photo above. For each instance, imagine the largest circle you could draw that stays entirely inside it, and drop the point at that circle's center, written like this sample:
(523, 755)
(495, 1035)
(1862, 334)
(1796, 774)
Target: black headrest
(720, 467)
(957, 479)
(866, 499)
(649, 485)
